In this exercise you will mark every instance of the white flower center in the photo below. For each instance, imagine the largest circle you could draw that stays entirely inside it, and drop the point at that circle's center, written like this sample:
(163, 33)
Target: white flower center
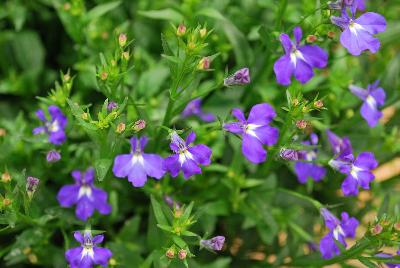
(294, 55)
(371, 101)
(249, 129)
(137, 157)
(355, 27)
(338, 231)
(354, 171)
(87, 251)
(185, 155)
(85, 190)
(53, 126)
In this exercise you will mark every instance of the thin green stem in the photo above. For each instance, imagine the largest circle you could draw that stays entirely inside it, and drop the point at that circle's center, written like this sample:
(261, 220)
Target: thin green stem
(314, 202)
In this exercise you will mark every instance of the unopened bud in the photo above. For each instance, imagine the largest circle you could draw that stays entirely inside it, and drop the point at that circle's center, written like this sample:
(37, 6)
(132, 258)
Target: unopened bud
(125, 55)
(289, 154)
(178, 213)
(331, 34)
(53, 156)
(203, 32)
(311, 38)
(318, 104)
(182, 254)
(5, 177)
(396, 226)
(84, 116)
(31, 186)
(295, 102)
(103, 75)
(66, 77)
(139, 125)
(113, 63)
(112, 262)
(305, 109)
(27, 250)
(170, 253)
(67, 6)
(6, 202)
(32, 258)
(120, 128)
(122, 39)
(3, 132)
(204, 63)
(111, 106)
(181, 30)
(191, 45)
(377, 229)
(301, 124)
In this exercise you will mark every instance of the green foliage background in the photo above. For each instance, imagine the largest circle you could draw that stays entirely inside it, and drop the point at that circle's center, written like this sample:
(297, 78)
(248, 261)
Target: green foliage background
(40, 38)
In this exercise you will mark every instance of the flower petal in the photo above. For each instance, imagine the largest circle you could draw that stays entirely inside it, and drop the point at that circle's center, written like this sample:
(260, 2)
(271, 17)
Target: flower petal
(328, 247)
(379, 95)
(298, 34)
(366, 160)
(122, 165)
(190, 168)
(190, 138)
(314, 55)
(286, 43)
(153, 165)
(372, 22)
(303, 71)
(137, 175)
(78, 237)
(68, 195)
(261, 114)
(57, 137)
(98, 239)
(100, 201)
(235, 127)
(350, 186)
(359, 92)
(172, 165)
(236, 112)
(284, 69)
(267, 135)
(84, 209)
(201, 154)
(101, 256)
(370, 113)
(252, 149)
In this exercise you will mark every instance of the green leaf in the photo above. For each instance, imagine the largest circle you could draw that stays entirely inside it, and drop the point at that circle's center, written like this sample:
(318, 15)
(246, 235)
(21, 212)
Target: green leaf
(163, 14)
(77, 112)
(185, 216)
(158, 213)
(102, 166)
(165, 227)
(100, 10)
(179, 241)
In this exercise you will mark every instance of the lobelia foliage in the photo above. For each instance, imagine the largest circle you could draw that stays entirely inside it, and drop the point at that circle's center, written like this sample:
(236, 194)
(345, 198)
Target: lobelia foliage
(147, 94)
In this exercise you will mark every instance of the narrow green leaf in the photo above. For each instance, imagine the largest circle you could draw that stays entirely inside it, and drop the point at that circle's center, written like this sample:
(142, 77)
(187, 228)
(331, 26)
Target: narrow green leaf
(168, 14)
(160, 217)
(100, 10)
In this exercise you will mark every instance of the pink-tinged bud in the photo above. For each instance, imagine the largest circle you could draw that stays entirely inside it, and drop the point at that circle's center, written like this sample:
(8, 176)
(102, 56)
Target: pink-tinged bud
(67, 6)
(170, 253)
(120, 128)
(301, 124)
(139, 125)
(204, 63)
(103, 75)
(66, 77)
(125, 55)
(53, 156)
(181, 30)
(295, 102)
(331, 34)
(3, 132)
(5, 177)
(182, 254)
(311, 38)
(377, 229)
(318, 104)
(396, 226)
(122, 40)
(31, 186)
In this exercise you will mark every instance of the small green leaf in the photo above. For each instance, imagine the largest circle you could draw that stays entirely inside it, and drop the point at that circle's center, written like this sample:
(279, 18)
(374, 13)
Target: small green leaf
(160, 217)
(102, 166)
(100, 10)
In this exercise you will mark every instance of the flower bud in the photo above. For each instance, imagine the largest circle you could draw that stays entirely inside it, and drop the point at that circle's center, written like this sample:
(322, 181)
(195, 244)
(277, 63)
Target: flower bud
(181, 30)
(112, 262)
(377, 229)
(295, 102)
(67, 6)
(31, 186)
(32, 258)
(5, 177)
(331, 34)
(125, 55)
(305, 109)
(6, 202)
(318, 104)
(203, 32)
(53, 156)
(120, 128)
(240, 77)
(111, 106)
(84, 116)
(27, 250)
(139, 125)
(191, 45)
(170, 253)
(396, 226)
(289, 154)
(122, 40)
(215, 243)
(3, 132)
(204, 63)
(182, 254)
(311, 38)
(301, 124)
(103, 75)
(66, 77)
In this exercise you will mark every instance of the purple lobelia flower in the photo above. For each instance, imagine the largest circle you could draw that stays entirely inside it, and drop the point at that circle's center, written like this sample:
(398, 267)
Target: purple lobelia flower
(55, 128)
(111, 106)
(138, 165)
(373, 97)
(186, 158)
(215, 243)
(53, 156)
(194, 108)
(305, 170)
(357, 34)
(88, 254)
(338, 231)
(358, 171)
(289, 154)
(255, 131)
(240, 77)
(298, 60)
(352, 4)
(84, 194)
(341, 147)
